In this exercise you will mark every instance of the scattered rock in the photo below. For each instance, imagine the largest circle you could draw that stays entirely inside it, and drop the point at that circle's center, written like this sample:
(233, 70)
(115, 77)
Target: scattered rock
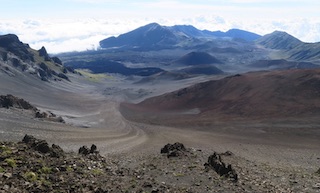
(227, 153)
(41, 115)
(84, 150)
(173, 150)
(43, 172)
(215, 162)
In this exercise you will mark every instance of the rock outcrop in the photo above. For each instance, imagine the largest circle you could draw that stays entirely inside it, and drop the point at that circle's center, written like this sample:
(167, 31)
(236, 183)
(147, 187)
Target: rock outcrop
(12, 101)
(11, 43)
(215, 162)
(43, 52)
(43, 147)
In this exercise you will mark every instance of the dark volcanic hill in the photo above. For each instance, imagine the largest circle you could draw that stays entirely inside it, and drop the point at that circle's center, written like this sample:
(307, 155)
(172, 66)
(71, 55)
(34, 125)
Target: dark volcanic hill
(197, 58)
(155, 36)
(107, 66)
(287, 93)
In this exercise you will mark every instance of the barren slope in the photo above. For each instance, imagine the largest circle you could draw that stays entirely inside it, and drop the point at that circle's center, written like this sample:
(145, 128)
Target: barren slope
(287, 93)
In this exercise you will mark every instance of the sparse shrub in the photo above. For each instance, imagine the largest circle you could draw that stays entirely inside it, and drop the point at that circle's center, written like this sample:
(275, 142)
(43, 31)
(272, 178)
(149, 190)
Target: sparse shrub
(11, 162)
(45, 170)
(30, 176)
(97, 171)
(1, 169)
(5, 151)
(69, 169)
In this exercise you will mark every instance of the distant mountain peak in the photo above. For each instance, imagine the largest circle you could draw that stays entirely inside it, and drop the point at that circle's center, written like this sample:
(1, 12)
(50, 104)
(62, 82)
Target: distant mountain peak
(279, 40)
(155, 36)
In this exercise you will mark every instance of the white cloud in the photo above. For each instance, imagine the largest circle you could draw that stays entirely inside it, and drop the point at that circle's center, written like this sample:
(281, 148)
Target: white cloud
(82, 34)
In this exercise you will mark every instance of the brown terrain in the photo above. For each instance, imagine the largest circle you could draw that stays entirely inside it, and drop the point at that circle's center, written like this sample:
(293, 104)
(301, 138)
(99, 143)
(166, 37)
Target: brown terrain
(265, 125)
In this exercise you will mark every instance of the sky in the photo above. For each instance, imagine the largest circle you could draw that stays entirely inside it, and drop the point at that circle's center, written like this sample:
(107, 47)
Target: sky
(77, 25)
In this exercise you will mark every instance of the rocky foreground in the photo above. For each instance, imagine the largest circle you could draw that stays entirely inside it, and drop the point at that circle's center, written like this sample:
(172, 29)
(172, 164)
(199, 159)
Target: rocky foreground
(32, 165)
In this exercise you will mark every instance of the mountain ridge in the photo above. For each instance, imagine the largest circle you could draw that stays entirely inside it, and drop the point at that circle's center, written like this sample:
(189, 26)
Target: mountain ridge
(155, 36)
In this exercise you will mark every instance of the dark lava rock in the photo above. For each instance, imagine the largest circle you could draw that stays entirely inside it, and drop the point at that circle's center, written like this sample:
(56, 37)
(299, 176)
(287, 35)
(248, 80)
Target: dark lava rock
(29, 139)
(43, 52)
(39, 145)
(56, 151)
(44, 72)
(63, 76)
(227, 153)
(56, 60)
(41, 115)
(84, 150)
(12, 101)
(93, 148)
(215, 162)
(42, 146)
(173, 150)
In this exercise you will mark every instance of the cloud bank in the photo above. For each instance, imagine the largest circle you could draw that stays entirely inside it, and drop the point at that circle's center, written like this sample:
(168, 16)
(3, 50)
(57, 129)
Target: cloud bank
(61, 35)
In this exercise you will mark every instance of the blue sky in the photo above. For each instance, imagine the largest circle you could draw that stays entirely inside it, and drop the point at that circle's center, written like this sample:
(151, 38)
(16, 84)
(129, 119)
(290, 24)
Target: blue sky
(67, 25)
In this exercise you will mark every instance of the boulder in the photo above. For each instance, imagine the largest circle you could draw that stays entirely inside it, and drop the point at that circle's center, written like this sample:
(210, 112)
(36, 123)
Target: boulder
(173, 150)
(42, 146)
(56, 151)
(215, 162)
